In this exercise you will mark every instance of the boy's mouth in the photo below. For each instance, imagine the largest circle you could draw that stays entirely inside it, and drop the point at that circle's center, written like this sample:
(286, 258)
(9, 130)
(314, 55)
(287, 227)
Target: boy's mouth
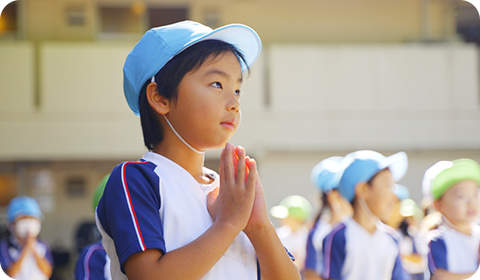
(228, 124)
(472, 213)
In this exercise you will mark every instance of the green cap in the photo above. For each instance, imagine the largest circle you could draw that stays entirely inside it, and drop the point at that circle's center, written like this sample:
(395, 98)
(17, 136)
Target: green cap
(294, 206)
(99, 191)
(409, 208)
(461, 170)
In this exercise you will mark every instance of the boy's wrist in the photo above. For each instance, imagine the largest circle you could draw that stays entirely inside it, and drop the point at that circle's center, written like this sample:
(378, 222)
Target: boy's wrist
(227, 227)
(259, 229)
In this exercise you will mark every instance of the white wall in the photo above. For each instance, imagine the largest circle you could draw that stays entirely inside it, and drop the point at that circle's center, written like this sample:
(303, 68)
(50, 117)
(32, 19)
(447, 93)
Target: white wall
(413, 97)
(388, 97)
(323, 101)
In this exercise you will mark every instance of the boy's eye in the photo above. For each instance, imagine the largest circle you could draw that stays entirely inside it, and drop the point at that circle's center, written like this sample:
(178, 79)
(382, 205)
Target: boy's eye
(217, 84)
(238, 93)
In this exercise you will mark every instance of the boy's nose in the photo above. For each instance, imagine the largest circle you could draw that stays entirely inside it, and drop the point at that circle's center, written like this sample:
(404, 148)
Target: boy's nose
(233, 103)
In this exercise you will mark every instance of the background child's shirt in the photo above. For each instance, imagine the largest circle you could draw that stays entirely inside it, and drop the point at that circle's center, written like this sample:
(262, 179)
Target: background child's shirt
(93, 263)
(314, 254)
(10, 251)
(351, 253)
(453, 251)
(156, 204)
(294, 242)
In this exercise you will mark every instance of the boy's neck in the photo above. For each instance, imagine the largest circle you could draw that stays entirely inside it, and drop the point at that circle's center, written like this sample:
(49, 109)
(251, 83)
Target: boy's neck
(364, 220)
(334, 218)
(187, 159)
(464, 227)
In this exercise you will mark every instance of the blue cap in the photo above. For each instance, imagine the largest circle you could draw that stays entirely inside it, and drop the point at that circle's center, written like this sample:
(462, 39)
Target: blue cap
(401, 192)
(361, 166)
(326, 174)
(23, 206)
(160, 44)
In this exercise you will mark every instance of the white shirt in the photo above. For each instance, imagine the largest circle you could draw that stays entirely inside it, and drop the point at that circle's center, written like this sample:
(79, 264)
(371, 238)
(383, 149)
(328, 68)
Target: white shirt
(453, 251)
(352, 253)
(156, 204)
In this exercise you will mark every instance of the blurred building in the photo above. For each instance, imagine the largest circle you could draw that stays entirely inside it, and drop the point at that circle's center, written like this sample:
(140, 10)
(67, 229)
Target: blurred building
(335, 76)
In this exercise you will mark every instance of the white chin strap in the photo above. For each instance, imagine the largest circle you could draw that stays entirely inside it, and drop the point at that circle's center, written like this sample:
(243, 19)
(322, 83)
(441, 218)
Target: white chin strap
(178, 135)
(367, 211)
(339, 210)
(183, 140)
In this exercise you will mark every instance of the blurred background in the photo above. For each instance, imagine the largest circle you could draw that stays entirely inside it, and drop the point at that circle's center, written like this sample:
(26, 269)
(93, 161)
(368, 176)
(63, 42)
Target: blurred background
(334, 76)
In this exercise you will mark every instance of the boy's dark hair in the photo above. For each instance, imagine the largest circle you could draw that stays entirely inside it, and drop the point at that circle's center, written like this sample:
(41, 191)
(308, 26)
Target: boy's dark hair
(370, 183)
(168, 79)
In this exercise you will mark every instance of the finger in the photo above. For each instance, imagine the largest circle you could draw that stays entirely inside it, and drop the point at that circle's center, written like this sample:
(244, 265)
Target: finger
(221, 168)
(211, 198)
(241, 164)
(247, 169)
(235, 160)
(229, 173)
(252, 177)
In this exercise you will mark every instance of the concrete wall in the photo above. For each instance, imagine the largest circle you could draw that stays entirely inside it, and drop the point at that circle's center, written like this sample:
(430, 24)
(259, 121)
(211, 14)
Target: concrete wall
(301, 104)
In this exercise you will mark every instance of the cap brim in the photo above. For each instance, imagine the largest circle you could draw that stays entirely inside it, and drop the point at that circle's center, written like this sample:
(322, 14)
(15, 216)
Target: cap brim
(397, 164)
(244, 38)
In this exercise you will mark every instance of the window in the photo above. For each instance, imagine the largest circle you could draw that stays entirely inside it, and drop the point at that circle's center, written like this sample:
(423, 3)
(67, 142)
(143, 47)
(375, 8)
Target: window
(163, 16)
(133, 21)
(118, 21)
(468, 22)
(76, 16)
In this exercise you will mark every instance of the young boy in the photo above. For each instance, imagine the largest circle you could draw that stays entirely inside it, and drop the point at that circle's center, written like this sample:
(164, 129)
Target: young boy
(334, 208)
(293, 212)
(93, 262)
(454, 246)
(362, 247)
(22, 255)
(166, 216)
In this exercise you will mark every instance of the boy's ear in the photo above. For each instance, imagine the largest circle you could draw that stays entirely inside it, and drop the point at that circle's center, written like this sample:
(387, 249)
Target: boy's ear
(361, 190)
(333, 196)
(438, 205)
(157, 101)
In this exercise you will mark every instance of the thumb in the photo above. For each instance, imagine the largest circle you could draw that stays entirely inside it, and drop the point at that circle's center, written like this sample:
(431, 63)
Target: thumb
(211, 198)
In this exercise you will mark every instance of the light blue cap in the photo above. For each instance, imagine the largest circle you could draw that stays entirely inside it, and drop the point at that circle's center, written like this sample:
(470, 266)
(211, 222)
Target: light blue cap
(401, 192)
(23, 206)
(160, 44)
(361, 166)
(326, 174)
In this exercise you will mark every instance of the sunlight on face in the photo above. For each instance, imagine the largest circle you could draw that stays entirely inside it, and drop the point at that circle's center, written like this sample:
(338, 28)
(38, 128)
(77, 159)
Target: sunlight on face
(460, 203)
(381, 198)
(207, 111)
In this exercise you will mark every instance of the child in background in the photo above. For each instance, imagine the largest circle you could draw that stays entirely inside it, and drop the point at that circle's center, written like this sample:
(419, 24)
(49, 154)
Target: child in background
(403, 221)
(454, 246)
(325, 175)
(93, 262)
(293, 211)
(362, 247)
(22, 255)
(167, 216)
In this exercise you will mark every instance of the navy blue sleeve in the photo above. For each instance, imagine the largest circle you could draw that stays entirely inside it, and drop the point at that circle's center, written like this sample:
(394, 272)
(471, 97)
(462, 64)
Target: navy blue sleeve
(5, 259)
(399, 273)
(311, 255)
(91, 263)
(129, 209)
(437, 255)
(334, 253)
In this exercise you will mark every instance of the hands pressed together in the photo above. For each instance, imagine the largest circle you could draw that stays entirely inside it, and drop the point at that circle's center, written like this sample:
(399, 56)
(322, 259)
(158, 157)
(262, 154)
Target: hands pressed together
(239, 201)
